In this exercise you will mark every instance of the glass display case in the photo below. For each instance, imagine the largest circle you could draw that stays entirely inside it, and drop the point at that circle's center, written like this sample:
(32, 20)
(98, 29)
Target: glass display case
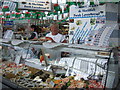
(88, 62)
(64, 64)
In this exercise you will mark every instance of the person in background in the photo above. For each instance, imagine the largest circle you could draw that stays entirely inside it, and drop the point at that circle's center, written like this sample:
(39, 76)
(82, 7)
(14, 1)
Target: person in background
(39, 31)
(54, 35)
(34, 34)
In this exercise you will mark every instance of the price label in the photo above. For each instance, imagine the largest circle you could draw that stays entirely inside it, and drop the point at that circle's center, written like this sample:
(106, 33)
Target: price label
(17, 59)
(52, 83)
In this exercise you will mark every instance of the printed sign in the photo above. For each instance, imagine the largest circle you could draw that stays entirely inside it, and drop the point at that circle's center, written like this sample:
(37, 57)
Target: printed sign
(8, 34)
(35, 4)
(85, 20)
(8, 23)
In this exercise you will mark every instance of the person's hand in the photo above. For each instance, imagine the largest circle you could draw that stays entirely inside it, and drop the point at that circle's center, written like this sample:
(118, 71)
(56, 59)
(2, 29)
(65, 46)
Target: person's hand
(46, 39)
(49, 39)
(42, 39)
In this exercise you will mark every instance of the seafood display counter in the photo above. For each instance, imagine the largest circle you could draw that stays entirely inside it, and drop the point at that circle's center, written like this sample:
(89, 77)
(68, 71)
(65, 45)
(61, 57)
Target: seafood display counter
(33, 65)
(25, 77)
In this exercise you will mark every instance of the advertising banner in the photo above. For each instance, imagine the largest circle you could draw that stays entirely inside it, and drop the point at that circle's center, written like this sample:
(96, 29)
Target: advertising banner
(84, 21)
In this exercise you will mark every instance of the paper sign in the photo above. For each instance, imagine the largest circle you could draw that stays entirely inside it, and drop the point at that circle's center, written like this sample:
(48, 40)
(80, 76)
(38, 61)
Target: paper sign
(85, 20)
(35, 4)
(8, 34)
(52, 83)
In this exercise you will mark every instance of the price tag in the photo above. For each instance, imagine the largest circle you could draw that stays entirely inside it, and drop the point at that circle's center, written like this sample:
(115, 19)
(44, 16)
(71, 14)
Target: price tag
(52, 83)
(57, 78)
(49, 67)
(67, 72)
(17, 59)
(78, 76)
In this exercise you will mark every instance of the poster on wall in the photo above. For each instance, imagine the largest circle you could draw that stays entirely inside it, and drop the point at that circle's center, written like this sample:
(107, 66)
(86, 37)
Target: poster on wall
(84, 21)
(11, 5)
(35, 4)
